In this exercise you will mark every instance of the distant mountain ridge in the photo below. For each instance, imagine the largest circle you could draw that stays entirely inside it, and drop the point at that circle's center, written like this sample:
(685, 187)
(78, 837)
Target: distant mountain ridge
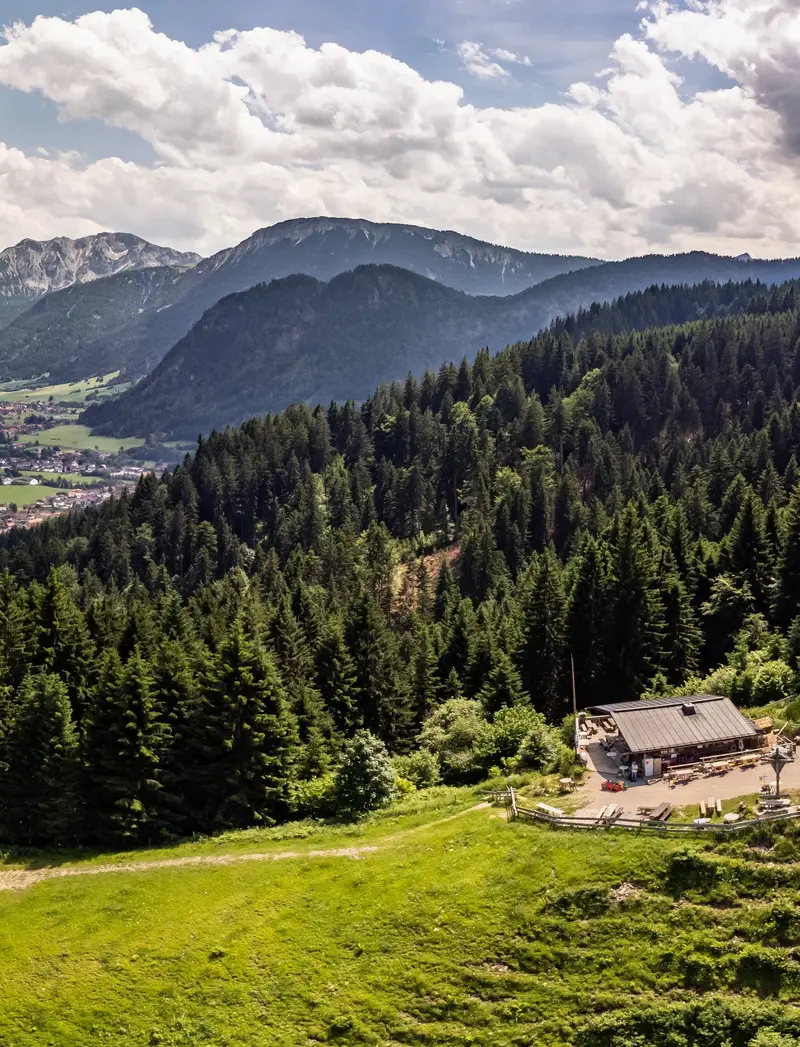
(319, 247)
(298, 339)
(34, 268)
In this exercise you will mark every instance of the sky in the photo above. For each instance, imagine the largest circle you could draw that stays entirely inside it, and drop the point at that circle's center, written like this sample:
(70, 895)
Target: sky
(602, 127)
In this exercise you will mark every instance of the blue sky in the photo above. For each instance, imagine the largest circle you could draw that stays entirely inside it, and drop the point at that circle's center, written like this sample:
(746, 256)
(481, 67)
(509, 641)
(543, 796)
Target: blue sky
(566, 40)
(600, 127)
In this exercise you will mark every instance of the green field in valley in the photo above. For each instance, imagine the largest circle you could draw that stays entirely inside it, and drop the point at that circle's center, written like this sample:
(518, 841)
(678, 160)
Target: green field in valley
(428, 929)
(75, 479)
(24, 494)
(79, 437)
(18, 392)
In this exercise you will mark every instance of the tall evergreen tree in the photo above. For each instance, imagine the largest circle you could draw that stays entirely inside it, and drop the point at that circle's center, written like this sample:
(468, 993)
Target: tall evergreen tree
(39, 778)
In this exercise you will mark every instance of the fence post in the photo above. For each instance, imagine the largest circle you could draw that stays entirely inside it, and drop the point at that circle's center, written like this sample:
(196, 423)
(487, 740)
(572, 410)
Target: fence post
(513, 795)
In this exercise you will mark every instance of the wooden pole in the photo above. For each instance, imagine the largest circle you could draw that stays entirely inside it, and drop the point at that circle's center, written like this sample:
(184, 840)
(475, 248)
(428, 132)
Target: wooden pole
(574, 701)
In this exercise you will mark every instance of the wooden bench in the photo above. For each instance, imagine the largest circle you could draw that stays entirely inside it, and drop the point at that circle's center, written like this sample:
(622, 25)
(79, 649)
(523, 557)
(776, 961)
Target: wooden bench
(662, 812)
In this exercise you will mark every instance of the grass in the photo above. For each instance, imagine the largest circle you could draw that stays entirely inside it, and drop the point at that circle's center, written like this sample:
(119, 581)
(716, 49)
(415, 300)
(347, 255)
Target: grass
(75, 479)
(455, 931)
(17, 392)
(79, 438)
(24, 494)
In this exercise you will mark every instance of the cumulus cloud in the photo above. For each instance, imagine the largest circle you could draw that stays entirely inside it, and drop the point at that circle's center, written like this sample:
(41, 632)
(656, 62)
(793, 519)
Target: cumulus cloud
(258, 126)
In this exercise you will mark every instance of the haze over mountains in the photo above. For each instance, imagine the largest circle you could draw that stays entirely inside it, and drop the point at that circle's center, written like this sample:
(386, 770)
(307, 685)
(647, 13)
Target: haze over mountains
(310, 309)
(299, 339)
(34, 268)
(134, 338)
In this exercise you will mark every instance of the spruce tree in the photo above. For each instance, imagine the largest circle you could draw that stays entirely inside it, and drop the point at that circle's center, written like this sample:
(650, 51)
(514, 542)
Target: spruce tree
(635, 620)
(39, 779)
(542, 658)
(787, 590)
(586, 619)
(250, 736)
(503, 687)
(336, 680)
(125, 739)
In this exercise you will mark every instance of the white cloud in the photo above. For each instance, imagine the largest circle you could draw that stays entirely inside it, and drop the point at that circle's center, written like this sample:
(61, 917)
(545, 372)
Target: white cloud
(257, 126)
(478, 61)
(488, 63)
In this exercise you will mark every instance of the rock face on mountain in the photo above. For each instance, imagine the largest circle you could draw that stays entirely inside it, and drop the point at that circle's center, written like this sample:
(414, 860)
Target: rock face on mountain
(34, 268)
(298, 339)
(319, 247)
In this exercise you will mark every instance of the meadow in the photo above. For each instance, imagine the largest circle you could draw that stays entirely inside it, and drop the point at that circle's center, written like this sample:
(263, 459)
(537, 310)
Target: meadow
(24, 494)
(19, 392)
(75, 479)
(79, 438)
(444, 925)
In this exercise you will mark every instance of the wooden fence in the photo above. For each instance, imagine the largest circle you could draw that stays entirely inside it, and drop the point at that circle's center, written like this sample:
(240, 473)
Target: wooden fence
(571, 821)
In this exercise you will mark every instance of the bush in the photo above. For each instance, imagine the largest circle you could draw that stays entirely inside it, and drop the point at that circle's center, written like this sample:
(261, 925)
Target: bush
(315, 798)
(461, 736)
(543, 750)
(511, 727)
(365, 779)
(421, 767)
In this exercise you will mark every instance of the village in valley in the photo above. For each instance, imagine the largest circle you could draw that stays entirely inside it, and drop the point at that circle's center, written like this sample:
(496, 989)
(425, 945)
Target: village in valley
(49, 463)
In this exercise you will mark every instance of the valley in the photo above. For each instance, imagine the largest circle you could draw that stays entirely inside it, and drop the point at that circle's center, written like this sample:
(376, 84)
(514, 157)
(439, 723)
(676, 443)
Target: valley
(49, 464)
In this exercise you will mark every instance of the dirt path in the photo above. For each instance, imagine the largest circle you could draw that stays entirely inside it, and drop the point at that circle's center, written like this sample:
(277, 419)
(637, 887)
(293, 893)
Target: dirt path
(20, 879)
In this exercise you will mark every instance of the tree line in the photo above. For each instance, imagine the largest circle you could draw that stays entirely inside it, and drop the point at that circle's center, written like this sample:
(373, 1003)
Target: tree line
(408, 577)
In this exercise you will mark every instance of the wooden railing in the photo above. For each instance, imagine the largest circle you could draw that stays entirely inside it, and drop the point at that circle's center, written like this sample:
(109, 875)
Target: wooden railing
(574, 821)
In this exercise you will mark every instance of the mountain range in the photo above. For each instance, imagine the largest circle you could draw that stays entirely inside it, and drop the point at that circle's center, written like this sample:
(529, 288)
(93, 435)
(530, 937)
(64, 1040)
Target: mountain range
(309, 309)
(34, 268)
(300, 339)
(55, 340)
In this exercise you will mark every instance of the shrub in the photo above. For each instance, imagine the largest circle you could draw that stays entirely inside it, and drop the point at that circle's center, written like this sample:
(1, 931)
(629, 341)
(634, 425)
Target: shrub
(461, 736)
(315, 798)
(364, 780)
(511, 727)
(542, 749)
(420, 767)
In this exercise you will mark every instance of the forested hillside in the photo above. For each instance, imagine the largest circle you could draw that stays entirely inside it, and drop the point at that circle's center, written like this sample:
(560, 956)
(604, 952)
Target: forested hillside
(195, 656)
(298, 340)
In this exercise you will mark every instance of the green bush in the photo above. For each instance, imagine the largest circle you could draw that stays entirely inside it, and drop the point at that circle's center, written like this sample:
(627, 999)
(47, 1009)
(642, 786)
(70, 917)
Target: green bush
(365, 779)
(461, 736)
(420, 767)
(315, 798)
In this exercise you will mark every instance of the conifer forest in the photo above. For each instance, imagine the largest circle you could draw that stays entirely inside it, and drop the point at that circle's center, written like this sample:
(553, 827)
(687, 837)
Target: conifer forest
(408, 578)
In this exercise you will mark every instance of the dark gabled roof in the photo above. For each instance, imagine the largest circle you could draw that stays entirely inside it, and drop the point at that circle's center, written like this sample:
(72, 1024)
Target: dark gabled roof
(650, 726)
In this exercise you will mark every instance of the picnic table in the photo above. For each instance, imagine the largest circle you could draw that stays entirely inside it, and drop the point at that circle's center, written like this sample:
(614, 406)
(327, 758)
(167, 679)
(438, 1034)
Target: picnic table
(682, 775)
(662, 812)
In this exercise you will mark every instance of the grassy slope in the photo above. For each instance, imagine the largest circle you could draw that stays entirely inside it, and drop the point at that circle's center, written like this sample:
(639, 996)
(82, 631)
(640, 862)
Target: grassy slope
(19, 392)
(78, 437)
(466, 931)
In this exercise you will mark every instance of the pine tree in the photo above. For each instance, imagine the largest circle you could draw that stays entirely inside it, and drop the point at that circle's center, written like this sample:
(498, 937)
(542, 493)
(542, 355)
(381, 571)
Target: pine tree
(746, 552)
(425, 684)
(250, 736)
(542, 657)
(381, 691)
(336, 680)
(64, 645)
(125, 739)
(635, 620)
(586, 620)
(787, 595)
(38, 784)
(503, 687)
